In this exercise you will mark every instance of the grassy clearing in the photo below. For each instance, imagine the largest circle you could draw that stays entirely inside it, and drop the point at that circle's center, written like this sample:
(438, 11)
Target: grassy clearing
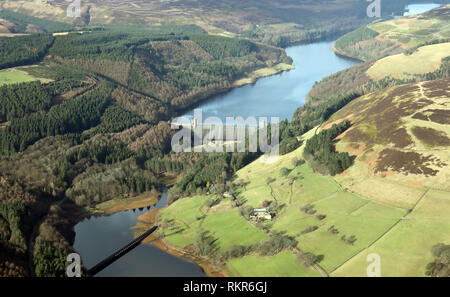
(340, 202)
(292, 221)
(434, 205)
(426, 59)
(284, 264)
(185, 210)
(14, 76)
(22, 74)
(183, 214)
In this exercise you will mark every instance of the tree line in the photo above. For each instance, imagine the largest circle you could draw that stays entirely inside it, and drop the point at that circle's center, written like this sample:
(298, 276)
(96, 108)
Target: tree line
(307, 117)
(319, 151)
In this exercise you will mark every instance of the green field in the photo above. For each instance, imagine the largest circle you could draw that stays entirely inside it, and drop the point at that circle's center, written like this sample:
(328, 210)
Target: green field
(228, 227)
(425, 59)
(348, 212)
(284, 264)
(22, 74)
(405, 248)
(14, 76)
(183, 212)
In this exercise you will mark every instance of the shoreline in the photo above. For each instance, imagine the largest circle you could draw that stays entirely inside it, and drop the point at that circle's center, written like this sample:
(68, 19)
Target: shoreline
(150, 218)
(344, 56)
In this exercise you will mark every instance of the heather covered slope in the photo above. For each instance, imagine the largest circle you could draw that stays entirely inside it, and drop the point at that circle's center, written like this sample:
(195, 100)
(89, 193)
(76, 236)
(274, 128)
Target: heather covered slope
(401, 138)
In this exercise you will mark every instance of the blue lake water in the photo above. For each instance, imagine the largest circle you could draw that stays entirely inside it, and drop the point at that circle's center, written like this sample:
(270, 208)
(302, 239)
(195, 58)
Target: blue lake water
(420, 7)
(279, 95)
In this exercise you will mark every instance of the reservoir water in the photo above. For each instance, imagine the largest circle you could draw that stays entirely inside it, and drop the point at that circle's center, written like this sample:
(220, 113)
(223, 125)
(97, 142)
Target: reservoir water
(420, 7)
(98, 237)
(279, 96)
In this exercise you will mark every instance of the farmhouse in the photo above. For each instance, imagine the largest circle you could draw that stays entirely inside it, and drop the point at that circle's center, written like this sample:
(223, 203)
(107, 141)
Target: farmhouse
(261, 213)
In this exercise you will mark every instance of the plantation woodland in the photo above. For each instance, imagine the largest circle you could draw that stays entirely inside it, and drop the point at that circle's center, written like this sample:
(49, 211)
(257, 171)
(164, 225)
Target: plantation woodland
(98, 129)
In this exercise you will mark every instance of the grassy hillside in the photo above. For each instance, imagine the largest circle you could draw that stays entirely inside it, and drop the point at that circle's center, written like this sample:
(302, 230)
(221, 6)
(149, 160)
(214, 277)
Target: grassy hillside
(424, 63)
(426, 59)
(381, 39)
(392, 201)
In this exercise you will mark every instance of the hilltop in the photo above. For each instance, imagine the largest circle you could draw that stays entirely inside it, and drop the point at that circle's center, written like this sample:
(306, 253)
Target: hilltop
(383, 38)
